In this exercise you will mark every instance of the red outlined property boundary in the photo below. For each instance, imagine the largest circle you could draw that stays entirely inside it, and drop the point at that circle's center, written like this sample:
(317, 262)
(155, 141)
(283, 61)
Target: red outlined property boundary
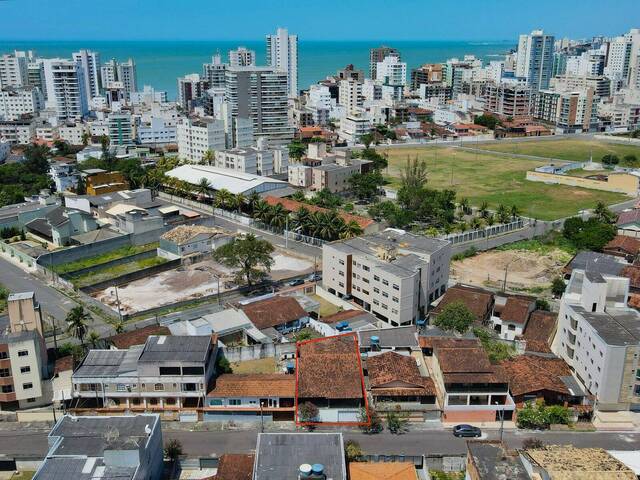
(364, 391)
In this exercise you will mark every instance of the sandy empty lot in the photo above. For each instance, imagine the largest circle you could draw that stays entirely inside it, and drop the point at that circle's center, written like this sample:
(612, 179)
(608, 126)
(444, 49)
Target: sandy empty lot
(192, 282)
(525, 269)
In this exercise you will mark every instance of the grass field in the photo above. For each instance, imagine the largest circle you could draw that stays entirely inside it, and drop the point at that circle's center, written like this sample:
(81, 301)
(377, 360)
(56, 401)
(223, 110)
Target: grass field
(264, 365)
(578, 150)
(497, 179)
(103, 258)
(104, 274)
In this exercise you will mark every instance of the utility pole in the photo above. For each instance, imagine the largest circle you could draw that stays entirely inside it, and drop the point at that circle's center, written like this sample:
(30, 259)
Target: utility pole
(118, 301)
(286, 231)
(261, 418)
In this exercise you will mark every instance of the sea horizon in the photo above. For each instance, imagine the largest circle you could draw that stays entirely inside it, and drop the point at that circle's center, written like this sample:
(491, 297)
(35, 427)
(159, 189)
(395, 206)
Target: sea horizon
(161, 62)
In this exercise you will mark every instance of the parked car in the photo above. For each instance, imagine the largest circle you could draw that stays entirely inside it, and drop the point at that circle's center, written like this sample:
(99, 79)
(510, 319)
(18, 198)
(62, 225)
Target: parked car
(296, 282)
(314, 277)
(466, 431)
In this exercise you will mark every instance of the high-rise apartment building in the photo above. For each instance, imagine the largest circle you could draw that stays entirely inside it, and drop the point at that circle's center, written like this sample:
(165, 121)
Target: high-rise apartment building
(508, 99)
(90, 63)
(198, 136)
(16, 102)
(242, 57)
(123, 72)
(65, 86)
(282, 54)
(350, 95)
(426, 74)
(35, 76)
(572, 111)
(377, 55)
(120, 128)
(214, 73)
(535, 59)
(190, 88)
(13, 71)
(260, 94)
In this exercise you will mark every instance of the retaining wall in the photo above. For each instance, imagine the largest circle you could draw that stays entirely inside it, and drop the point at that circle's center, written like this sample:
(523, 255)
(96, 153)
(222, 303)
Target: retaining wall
(258, 351)
(17, 254)
(130, 277)
(112, 263)
(83, 251)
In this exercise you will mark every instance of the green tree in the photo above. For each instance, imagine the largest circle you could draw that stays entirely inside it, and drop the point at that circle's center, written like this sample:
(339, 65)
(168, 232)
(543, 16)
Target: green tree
(352, 450)
(488, 121)
(250, 256)
(351, 229)
(484, 210)
(497, 351)
(515, 213)
(397, 422)
(224, 199)
(300, 220)
(392, 213)
(379, 161)
(558, 286)
(77, 320)
(93, 338)
(631, 160)
(591, 234)
(118, 326)
(324, 198)
(173, 451)
(209, 157)
(536, 415)
(223, 365)
(455, 316)
(542, 304)
(297, 150)
(413, 178)
(367, 139)
(365, 186)
(610, 160)
(603, 214)
(299, 196)
(203, 188)
(262, 211)
(308, 412)
(465, 206)
(278, 216)
(85, 139)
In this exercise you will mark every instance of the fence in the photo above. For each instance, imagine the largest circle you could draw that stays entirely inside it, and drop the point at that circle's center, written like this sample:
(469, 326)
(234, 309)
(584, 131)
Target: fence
(15, 253)
(83, 251)
(486, 232)
(258, 351)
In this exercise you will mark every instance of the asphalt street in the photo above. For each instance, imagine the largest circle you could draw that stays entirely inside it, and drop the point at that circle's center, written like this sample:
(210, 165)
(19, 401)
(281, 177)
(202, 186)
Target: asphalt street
(24, 443)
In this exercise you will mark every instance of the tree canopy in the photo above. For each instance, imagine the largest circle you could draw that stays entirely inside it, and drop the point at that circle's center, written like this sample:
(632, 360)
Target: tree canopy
(592, 234)
(455, 316)
(249, 256)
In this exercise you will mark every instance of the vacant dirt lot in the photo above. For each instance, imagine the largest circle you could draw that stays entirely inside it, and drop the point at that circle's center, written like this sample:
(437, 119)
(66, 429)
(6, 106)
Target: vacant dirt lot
(192, 282)
(525, 269)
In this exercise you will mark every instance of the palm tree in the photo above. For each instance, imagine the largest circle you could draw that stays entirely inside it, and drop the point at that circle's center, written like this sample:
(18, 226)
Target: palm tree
(77, 320)
(224, 199)
(515, 213)
(85, 139)
(299, 196)
(262, 211)
(240, 200)
(602, 213)
(208, 157)
(490, 219)
(173, 451)
(351, 229)
(278, 216)
(253, 199)
(484, 210)
(464, 205)
(462, 226)
(327, 225)
(93, 338)
(300, 219)
(476, 223)
(503, 214)
(203, 188)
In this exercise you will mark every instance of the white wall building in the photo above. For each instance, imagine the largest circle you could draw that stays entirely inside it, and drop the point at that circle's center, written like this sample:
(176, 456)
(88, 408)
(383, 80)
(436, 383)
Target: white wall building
(242, 57)
(148, 96)
(90, 64)
(72, 133)
(120, 128)
(13, 71)
(123, 72)
(197, 136)
(535, 59)
(352, 128)
(350, 95)
(282, 54)
(158, 131)
(259, 160)
(15, 103)
(391, 71)
(65, 85)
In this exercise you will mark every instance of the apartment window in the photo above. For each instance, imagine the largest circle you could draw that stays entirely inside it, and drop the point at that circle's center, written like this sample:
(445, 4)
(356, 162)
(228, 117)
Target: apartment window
(385, 294)
(3, 355)
(25, 369)
(376, 302)
(6, 389)
(394, 311)
(31, 400)
(365, 280)
(376, 278)
(365, 268)
(396, 299)
(4, 372)
(365, 292)
(353, 275)
(637, 373)
(121, 387)
(385, 307)
(23, 353)
(511, 327)
(341, 262)
(385, 282)
(27, 386)
(158, 387)
(376, 290)
(636, 390)
(340, 284)
(396, 287)
(169, 371)
(235, 401)
(192, 370)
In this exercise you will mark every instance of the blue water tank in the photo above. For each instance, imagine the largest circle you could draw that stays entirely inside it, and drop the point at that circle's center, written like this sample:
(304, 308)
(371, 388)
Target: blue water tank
(317, 468)
(341, 325)
(375, 340)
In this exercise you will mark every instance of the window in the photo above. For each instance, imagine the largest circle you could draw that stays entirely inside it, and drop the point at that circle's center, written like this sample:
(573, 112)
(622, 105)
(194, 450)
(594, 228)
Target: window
(192, 371)
(636, 390)
(396, 287)
(365, 280)
(385, 307)
(3, 355)
(341, 262)
(376, 302)
(376, 278)
(385, 294)
(396, 299)
(235, 401)
(4, 372)
(27, 386)
(158, 387)
(169, 371)
(365, 268)
(365, 292)
(385, 282)
(6, 389)
(23, 353)
(121, 387)
(25, 369)
(340, 284)
(376, 290)
(31, 400)
(511, 327)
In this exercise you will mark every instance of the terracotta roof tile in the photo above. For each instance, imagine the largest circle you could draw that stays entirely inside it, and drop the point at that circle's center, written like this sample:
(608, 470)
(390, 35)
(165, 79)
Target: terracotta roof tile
(532, 373)
(293, 205)
(477, 300)
(273, 311)
(125, 340)
(539, 330)
(254, 385)
(631, 216)
(463, 360)
(63, 364)
(382, 471)
(330, 368)
(622, 243)
(234, 467)
(632, 272)
(634, 300)
(448, 342)
(388, 371)
(517, 309)
(344, 315)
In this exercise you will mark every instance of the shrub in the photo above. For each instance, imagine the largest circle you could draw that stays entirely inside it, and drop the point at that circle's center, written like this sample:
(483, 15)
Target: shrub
(537, 415)
(223, 365)
(558, 286)
(397, 422)
(469, 252)
(542, 304)
(352, 450)
(308, 412)
(455, 316)
(371, 423)
(531, 443)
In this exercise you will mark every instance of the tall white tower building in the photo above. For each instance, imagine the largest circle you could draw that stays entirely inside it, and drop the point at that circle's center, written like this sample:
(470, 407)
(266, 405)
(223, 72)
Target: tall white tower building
(242, 57)
(282, 54)
(13, 71)
(535, 59)
(90, 63)
(65, 86)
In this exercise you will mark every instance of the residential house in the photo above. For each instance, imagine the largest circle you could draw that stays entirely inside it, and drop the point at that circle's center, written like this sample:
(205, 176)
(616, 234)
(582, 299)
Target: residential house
(185, 240)
(393, 274)
(18, 215)
(349, 321)
(511, 314)
(251, 398)
(547, 378)
(234, 466)
(628, 223)
(623, 246)
(480, 302)
(565, 462)
(398, 339)
(281, 313)
(491, 460)
(61, 383)
(130, 219)
(99, 182)
(64, 175)
(85, 448)
(57, 226)
(470, 388)
(539, 332)
(330, 377)
(167, 373)
(300, 455)
(396, 382)
(125, 340)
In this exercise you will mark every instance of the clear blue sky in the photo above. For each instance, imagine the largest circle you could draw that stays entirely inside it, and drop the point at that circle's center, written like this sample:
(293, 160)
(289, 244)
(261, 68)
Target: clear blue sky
(310, 19)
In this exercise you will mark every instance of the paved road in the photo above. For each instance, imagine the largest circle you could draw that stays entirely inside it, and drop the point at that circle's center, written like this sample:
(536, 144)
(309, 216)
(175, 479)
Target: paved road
(205, 444)
(17, 280)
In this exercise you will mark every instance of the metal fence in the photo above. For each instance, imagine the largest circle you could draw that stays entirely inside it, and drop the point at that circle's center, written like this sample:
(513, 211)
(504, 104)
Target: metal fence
(487, 232)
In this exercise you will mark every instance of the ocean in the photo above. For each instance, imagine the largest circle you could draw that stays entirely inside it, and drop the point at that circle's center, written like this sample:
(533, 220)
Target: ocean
(160, 63)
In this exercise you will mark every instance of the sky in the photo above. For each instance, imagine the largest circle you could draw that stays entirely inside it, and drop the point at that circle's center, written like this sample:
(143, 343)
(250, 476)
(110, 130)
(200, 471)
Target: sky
(311, 20)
